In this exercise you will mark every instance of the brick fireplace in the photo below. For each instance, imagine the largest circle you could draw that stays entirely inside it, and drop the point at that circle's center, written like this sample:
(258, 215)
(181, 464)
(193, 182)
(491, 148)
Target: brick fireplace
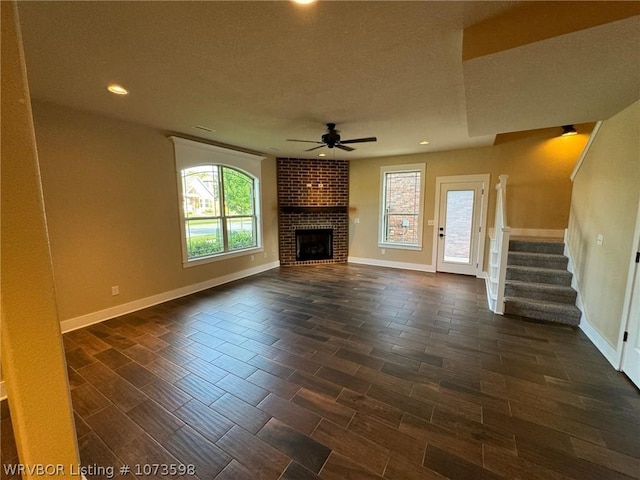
(313, 201)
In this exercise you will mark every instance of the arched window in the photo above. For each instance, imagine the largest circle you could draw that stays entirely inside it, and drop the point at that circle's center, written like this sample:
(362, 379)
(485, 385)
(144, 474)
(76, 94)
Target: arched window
(220, 212)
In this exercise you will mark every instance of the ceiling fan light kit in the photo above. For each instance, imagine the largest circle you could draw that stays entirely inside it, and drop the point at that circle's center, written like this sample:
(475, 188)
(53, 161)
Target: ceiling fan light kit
(332, 140)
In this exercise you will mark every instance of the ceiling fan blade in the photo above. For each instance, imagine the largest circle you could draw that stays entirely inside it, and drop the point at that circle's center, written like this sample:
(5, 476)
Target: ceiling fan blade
(315, 148)
(342, 147)
(305, 141)
(360, 140)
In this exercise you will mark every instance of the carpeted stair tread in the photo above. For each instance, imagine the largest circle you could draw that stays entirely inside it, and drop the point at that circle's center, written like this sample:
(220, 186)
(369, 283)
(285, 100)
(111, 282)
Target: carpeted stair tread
(536, 246)
(565, 313)
(539, 275)
(540, 291)
(536, 268)
(526, 238)
(537, 259)
(538, 284)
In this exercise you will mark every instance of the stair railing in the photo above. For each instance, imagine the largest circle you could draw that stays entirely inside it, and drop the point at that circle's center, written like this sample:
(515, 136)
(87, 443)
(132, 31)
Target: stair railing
(499, 249)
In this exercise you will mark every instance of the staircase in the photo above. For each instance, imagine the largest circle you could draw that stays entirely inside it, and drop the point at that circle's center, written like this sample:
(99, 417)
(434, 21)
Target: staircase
(537, 284)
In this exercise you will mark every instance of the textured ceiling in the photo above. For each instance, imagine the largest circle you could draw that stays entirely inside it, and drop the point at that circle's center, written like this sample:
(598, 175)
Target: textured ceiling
(573, 78)
(261, 72)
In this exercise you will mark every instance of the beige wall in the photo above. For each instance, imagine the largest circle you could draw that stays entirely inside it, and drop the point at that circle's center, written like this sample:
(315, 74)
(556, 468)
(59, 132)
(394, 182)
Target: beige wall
(605, 199)
(538, 163)
(111, 201)
(33, 360)
(110, 194)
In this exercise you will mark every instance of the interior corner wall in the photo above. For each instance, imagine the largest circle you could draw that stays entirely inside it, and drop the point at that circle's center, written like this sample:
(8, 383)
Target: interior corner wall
(538, 163)
(606, 193)
(33, 360)
(111, 201)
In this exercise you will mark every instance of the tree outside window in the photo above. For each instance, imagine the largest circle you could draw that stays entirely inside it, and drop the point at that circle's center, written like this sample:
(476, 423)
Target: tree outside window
(219, 210)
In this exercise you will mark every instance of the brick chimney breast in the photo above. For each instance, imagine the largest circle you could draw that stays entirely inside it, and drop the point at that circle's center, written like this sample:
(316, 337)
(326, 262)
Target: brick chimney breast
(313, 194)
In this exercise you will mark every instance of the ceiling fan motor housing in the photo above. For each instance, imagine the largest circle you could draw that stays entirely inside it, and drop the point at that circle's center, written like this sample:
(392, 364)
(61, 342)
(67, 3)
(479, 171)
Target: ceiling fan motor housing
(331, 139)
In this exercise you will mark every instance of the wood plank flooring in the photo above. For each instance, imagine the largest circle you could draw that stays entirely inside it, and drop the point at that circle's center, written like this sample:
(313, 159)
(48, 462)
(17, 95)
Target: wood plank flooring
(347, 372)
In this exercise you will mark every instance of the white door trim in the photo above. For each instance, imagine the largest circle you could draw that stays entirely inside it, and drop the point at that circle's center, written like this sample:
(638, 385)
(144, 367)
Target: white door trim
(482, 235)
(627, 318)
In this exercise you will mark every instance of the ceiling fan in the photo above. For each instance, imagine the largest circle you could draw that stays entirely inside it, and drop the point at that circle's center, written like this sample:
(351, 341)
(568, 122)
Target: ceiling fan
(332, 139)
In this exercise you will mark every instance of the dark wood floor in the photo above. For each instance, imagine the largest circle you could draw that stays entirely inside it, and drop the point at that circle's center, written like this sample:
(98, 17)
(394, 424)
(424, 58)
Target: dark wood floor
(348, 372)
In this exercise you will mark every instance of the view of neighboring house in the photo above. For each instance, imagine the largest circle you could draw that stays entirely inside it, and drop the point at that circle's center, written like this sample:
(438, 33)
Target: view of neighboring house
(200, 198)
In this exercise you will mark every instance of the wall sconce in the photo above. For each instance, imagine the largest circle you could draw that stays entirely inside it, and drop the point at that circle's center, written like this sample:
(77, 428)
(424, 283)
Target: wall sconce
(568, 130)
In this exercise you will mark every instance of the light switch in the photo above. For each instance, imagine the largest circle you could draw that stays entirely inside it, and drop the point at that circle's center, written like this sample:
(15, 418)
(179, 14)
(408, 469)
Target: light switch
(599, 239)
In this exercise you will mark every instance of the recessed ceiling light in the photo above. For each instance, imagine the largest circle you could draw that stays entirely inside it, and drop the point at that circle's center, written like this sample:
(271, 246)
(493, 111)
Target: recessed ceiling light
(304, 2)
(424, 142)
(117, 89)
(322, 154)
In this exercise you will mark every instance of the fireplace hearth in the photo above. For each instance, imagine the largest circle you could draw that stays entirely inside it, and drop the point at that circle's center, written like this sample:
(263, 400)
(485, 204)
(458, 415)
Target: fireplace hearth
(314, 244)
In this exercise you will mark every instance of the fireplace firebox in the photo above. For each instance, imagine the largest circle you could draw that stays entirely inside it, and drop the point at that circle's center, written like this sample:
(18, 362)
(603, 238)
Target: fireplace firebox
(314, 244)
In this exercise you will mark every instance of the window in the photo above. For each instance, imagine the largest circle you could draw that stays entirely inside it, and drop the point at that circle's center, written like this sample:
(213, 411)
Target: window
(220, 215)
(401, 210)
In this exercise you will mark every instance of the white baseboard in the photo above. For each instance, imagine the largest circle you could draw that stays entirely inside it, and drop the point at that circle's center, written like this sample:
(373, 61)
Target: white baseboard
(387, 263)
(487, 284)
(108, 313)
(609, 352)
(537, 232)
(112, 312)
(488, 288)
(402, 265)
(605, 348)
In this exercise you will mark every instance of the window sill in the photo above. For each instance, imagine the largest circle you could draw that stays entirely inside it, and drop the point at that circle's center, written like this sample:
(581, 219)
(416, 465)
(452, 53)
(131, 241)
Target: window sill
(400, 246)
(221, 256)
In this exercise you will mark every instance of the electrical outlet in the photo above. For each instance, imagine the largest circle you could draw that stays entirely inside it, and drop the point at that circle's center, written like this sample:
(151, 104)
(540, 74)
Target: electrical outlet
(356, 220)
(253, 257)
(382, 251)
(115, 290)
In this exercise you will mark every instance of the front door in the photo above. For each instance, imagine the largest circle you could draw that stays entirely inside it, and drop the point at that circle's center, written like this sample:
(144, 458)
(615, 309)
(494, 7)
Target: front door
(461, 224)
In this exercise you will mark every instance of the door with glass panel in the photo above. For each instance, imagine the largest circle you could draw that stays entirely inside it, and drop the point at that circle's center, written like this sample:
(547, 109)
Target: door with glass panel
(460, 228)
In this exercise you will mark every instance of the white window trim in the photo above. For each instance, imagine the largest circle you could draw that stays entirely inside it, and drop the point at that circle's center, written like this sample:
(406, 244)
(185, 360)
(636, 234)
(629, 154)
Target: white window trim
(411, 167)
(189, 153)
